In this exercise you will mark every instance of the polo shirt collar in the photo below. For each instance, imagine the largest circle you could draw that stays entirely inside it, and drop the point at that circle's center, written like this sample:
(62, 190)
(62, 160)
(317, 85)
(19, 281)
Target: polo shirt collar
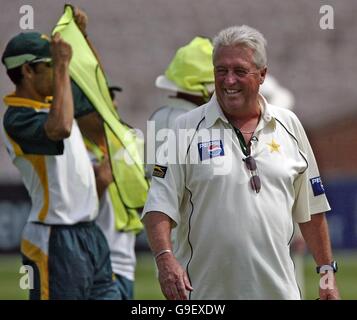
(267, 117)
(214, 112)
(13, 101)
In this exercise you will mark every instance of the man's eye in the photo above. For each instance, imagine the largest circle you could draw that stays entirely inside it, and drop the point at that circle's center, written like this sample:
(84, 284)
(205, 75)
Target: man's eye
(241, 73)
(221, 71)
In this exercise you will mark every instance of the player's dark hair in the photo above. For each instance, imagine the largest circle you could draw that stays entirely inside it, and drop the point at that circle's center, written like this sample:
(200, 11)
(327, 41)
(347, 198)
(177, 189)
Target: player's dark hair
(15, 75)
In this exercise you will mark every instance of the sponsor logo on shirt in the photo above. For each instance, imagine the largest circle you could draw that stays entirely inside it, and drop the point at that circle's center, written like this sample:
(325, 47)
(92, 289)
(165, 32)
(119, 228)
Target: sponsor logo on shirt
(159, 171)
(317, 186)
(210, 149)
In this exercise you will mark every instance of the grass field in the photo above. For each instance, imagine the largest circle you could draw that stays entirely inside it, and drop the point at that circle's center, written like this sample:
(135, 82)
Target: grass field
(147, 286)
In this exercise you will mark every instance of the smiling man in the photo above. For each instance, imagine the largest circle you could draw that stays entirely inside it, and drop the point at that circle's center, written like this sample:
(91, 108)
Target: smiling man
(234, 230)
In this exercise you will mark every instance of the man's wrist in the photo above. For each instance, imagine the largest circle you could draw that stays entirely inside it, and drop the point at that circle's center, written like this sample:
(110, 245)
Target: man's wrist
(161, 253)
(327, 267)
(61, 69)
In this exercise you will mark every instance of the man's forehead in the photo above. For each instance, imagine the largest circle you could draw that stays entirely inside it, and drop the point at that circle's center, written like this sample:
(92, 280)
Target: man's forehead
(234, 55)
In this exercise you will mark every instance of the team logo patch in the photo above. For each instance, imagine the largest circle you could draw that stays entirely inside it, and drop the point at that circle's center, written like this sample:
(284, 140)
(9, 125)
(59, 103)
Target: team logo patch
(159, 171)
(210, 149)
(317, 186)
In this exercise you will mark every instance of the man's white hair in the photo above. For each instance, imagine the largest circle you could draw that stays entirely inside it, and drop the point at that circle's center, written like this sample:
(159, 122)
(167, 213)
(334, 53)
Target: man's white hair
(246, 36)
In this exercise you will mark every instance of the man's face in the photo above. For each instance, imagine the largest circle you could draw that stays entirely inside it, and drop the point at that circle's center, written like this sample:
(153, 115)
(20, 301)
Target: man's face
(43, 78)
(237, 79)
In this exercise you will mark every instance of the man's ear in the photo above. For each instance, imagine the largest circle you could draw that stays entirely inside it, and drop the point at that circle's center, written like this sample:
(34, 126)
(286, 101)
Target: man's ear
(262, 74)
(26, 71)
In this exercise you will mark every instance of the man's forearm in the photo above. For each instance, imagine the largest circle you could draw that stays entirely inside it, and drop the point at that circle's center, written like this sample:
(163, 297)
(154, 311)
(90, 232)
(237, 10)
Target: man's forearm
(60, 118)
(103, 176)
(158, 229)
(316, 235)
(173, 278)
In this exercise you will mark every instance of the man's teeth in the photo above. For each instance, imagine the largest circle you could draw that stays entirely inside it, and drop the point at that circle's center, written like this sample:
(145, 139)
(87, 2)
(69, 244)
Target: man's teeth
(231, 91)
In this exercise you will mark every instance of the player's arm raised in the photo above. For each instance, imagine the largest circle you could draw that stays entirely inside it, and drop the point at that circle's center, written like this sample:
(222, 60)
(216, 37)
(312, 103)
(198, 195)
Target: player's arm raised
(60, 118)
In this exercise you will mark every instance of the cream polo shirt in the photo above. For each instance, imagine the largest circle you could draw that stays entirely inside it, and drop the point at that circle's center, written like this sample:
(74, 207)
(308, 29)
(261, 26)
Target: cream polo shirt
(58, 175)
(233, 242)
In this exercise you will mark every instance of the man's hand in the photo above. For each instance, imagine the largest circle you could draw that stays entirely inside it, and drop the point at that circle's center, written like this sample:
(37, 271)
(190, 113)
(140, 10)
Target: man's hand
(81, 20)
(61, 51)
(172, 277)
(328, 289)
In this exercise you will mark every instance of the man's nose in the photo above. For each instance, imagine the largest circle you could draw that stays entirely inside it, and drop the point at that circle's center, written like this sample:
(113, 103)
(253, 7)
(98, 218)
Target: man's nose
(231, 77)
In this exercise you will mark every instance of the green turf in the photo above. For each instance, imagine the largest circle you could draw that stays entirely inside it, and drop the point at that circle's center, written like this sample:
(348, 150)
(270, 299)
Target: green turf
(146, 284)
(10, 278)
(147, 287)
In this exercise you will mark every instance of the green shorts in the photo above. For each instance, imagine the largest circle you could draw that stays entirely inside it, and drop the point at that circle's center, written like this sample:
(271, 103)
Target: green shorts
(69, 262)
(125, 287)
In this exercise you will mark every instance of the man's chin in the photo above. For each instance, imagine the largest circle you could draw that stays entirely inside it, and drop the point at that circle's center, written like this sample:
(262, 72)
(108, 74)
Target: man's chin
(233, 104)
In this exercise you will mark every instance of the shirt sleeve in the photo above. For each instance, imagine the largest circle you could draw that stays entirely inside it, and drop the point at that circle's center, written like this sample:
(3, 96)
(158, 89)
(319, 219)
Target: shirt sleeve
(167, 185)
(310, 194)
(82, 105)
(26, 127)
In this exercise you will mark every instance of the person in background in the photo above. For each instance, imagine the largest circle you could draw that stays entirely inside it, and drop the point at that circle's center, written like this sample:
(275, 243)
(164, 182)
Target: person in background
(189, 77)
(121, 239)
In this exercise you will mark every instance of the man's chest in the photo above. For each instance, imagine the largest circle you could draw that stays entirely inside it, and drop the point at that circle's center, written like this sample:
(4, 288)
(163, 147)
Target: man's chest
(213, 157)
